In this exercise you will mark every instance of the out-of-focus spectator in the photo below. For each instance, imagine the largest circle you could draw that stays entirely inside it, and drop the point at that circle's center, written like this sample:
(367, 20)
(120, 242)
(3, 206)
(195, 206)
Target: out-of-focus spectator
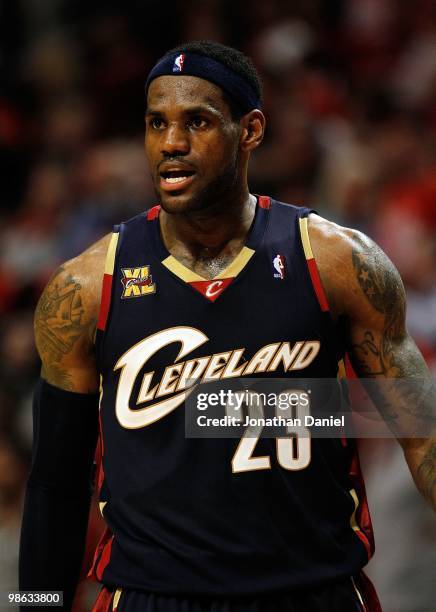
(29, 242)
(13, 474)
(19, 370)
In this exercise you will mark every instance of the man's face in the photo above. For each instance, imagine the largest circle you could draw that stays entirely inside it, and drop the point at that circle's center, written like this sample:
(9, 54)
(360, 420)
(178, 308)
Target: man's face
(191, 142)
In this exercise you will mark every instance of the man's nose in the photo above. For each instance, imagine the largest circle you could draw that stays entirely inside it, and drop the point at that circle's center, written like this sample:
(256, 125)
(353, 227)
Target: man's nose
(175, 140)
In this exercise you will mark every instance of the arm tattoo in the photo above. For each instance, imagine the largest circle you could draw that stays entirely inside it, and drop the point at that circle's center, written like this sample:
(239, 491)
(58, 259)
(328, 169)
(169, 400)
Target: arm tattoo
(427, 474)
(406, 397)
(382, 287)
(59, 323)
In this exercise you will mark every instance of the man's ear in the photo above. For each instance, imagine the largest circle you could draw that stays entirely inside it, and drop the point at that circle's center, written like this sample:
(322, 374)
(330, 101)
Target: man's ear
(252, 130)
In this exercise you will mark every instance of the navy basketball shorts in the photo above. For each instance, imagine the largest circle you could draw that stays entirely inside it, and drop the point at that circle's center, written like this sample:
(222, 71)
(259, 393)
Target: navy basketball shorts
(348, 595)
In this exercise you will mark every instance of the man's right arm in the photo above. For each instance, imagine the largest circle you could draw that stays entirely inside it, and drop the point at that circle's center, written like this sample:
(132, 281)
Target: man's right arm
(65, 322)
(65, 413)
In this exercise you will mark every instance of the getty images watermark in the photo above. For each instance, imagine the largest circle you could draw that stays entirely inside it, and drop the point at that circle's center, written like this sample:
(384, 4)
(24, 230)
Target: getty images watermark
(245, 408)
(309, 408)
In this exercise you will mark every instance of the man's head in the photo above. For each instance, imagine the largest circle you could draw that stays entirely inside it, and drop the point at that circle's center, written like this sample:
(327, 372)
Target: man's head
(202, 122)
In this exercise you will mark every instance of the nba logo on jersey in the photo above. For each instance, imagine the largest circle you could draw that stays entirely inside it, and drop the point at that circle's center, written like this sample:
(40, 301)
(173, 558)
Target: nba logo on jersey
(279, 266)
(178, 63)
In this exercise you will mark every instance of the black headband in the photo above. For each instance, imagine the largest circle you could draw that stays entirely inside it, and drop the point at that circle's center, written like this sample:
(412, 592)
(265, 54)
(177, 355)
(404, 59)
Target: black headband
(191, 64)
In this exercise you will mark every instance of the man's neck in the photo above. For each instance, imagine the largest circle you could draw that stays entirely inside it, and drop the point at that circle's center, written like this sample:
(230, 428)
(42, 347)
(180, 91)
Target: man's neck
(207, 234)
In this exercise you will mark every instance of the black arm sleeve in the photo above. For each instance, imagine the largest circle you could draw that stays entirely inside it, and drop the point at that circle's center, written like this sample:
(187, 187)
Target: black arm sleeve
(58, 493)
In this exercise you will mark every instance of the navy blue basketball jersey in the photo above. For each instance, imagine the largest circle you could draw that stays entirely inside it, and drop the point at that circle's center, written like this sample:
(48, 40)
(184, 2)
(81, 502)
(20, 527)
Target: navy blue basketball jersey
(198, 516)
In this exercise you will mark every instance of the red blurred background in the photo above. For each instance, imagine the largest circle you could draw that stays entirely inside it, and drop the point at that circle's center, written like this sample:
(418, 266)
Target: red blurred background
(350, 98)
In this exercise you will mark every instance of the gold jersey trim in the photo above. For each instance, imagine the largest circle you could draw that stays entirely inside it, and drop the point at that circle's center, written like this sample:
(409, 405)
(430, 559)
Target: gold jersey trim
(188, 276)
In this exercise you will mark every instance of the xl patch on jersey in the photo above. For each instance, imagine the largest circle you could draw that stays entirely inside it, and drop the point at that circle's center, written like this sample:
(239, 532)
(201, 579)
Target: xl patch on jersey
(137, 282)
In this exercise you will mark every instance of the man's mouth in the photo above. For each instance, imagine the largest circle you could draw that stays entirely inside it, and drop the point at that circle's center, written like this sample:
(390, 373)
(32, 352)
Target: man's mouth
(176, 179)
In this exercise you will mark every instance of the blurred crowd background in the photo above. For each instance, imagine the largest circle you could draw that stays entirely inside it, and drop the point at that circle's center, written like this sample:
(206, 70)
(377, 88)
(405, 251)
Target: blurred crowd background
(350, 98)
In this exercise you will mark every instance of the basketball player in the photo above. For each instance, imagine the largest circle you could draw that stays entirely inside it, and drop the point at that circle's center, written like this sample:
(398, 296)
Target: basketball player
(212, 282)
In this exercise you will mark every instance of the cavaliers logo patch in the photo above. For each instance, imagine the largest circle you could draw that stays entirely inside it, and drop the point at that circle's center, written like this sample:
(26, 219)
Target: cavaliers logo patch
(137, 282)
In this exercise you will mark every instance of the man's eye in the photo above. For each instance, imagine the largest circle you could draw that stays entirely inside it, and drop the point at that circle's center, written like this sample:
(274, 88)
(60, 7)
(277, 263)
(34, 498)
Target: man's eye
(156, 123)
(198, 122)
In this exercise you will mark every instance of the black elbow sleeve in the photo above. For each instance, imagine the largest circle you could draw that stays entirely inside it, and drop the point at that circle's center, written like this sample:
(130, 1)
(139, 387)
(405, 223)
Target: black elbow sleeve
(56, 506)
(65, 428)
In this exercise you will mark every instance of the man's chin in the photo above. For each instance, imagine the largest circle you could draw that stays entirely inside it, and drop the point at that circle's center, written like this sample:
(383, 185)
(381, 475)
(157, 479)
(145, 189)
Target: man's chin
(178, 202)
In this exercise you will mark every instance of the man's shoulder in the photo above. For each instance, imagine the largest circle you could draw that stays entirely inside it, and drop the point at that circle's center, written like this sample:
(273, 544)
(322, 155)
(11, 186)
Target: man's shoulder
(340, 246)
(351, 265)
(331, 236)
(87, 268)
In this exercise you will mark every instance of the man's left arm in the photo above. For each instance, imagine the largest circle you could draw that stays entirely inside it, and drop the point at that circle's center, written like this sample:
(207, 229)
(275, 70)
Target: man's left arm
(367, 299)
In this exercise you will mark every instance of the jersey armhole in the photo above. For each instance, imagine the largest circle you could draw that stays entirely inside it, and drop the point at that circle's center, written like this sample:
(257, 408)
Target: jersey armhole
(311, 264)
(106, 290)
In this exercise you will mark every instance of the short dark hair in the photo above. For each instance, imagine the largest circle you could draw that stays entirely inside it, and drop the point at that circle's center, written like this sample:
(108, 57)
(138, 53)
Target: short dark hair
(231, 58)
